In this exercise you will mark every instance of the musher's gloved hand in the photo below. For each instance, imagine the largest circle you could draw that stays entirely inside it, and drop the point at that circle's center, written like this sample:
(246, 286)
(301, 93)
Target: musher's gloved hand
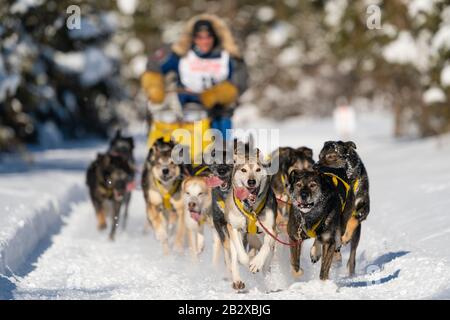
(153, 84)
(223, 93)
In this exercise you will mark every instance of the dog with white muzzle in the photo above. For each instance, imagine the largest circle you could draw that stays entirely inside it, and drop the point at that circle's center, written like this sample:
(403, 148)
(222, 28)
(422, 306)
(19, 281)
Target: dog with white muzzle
(250, 211)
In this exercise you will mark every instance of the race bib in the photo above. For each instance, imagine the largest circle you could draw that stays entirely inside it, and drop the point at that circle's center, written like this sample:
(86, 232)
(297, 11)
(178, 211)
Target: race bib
(198, 74)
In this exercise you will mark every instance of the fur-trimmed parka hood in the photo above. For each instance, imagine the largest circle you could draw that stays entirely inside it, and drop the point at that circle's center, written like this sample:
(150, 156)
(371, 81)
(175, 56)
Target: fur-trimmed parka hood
(227, 42)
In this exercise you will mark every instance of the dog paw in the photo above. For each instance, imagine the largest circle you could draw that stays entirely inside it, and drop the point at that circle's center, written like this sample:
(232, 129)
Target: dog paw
(298, 273)
(314, 258)
(178, 248)
(256, 264)
(315, 253)
(238, 285)
(101, 226)
(166, 249)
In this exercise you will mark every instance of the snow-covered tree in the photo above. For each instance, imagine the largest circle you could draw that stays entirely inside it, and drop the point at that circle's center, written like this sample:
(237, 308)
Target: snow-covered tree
(404, 59)
(57, 81)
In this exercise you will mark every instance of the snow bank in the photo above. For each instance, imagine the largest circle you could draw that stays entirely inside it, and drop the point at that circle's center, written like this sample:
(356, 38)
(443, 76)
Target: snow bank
(34, 198)
(29, 214)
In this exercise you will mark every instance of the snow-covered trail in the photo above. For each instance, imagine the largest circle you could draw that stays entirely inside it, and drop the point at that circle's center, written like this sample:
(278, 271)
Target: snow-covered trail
(402, 254)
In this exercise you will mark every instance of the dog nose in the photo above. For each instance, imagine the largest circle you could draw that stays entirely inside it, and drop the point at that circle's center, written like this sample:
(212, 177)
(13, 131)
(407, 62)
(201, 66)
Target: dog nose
(251, 182)
(165, 171)
(221, 171)
(191, 205)
(304, 195)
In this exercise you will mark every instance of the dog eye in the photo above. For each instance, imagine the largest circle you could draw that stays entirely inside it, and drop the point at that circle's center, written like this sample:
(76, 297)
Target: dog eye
(200, 194)
(109, 182)
(258, 170)
(244, 170)
(313, 185)
(187, 193)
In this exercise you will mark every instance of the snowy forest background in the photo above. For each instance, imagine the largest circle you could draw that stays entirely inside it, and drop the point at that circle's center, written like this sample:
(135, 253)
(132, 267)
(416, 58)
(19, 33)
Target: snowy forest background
(303, 56)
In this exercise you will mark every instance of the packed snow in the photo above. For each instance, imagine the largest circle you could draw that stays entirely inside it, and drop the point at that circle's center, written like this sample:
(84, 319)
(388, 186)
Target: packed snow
(402, 254)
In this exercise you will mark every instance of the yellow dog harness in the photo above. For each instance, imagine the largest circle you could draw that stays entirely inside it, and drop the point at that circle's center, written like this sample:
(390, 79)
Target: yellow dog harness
(221, 203)
(199, 171)
(336, 179)
(167, 194)
(252, 216)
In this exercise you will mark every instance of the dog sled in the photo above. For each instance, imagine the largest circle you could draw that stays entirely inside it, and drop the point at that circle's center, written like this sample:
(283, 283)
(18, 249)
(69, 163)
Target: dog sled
(187, 125)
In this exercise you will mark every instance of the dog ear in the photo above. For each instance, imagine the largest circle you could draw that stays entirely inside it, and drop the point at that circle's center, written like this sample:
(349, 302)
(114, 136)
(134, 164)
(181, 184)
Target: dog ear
(291, 169)
(350, 145)
(283, 156)
(293, 174)
(186, 170)
(172, 142)
(118, 134)
(131, 141)
(150, 154)
(266, 160)
(306, 151)
(326, 182)
(239, 150)
(183, 184)
(159, 142)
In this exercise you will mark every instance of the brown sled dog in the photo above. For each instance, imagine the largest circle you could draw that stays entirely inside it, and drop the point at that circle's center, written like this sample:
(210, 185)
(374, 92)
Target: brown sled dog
(288, 159)
(161, 185)
(315, 213)
(108, 179)
(339, 155)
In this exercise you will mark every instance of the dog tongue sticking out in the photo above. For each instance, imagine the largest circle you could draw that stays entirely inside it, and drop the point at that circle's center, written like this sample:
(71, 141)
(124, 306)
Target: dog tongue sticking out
(196, 215)
(242, 193)
(213, 182)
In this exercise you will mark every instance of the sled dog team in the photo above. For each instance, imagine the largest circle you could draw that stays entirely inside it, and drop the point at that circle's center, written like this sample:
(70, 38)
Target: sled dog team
(248, 206)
